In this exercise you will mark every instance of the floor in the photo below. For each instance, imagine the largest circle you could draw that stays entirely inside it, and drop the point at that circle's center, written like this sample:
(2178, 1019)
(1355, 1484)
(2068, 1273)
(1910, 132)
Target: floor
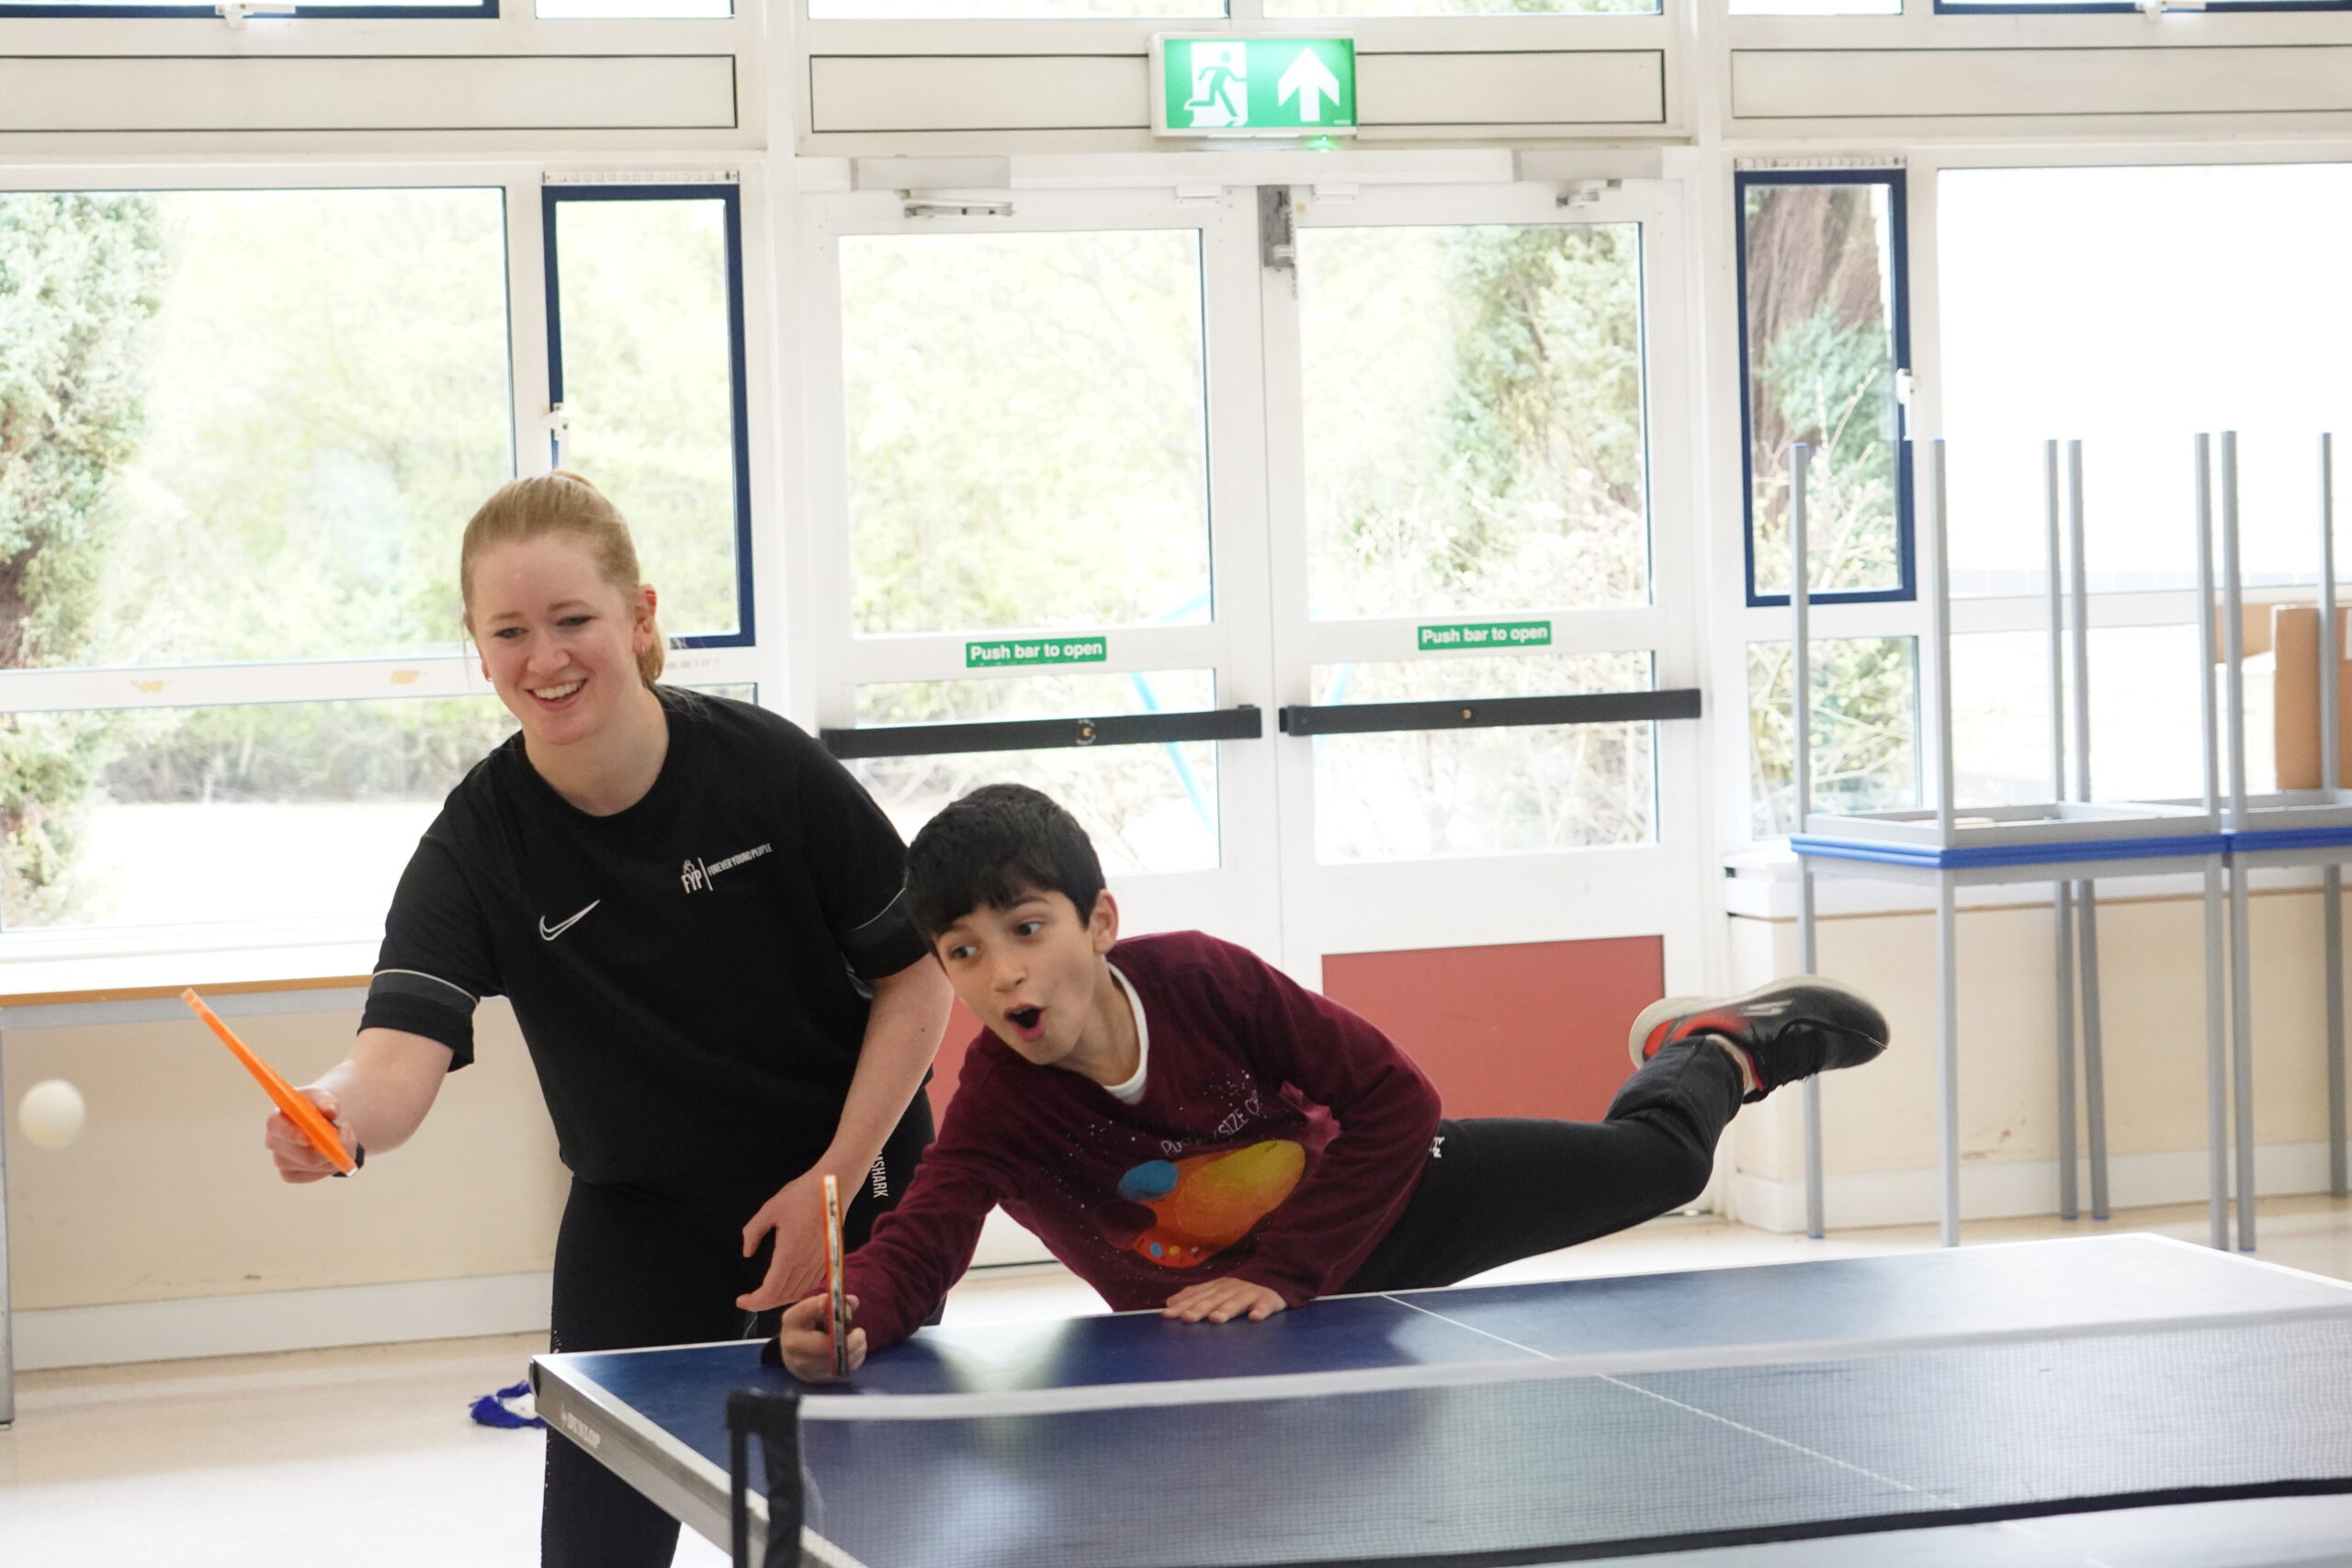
(365, 1458)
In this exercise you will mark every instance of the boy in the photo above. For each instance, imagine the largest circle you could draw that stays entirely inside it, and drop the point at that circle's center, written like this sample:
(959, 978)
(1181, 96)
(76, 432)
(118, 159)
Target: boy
(1185, 1127)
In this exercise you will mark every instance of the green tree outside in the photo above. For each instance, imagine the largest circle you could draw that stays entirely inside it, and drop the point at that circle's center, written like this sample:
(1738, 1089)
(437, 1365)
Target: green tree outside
(80, 278)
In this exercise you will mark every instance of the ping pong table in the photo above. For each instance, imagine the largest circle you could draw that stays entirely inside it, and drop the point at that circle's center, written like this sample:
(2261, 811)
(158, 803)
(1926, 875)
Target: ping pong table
(2127, 1401)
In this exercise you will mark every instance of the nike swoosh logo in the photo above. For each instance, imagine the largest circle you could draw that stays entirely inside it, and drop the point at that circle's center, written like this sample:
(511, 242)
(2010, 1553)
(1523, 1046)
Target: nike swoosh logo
(548, 932)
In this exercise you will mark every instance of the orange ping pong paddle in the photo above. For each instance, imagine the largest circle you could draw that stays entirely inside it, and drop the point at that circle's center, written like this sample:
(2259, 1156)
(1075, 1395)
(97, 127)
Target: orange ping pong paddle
(298, 1108)
(838, 1318)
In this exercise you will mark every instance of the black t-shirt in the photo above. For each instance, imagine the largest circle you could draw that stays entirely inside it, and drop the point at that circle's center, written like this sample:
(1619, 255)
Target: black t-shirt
(689, 973)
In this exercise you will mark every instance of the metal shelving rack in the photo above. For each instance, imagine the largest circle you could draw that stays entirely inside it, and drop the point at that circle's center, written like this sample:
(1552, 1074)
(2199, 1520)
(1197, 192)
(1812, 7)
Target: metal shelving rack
(2071, 842)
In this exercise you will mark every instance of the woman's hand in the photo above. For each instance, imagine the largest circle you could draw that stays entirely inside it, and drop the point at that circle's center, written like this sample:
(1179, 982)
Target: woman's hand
(386, 1086)
(806, 1345)
(297, 1161)
(797, 1217)
(1221, 1301)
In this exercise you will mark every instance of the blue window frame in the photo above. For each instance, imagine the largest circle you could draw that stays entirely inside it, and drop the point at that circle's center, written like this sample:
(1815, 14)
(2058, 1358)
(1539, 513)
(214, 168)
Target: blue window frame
(2078, 7)
(635, 281)
(1825, 336)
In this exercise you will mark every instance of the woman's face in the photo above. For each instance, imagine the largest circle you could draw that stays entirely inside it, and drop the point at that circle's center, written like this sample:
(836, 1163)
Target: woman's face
(558, 642)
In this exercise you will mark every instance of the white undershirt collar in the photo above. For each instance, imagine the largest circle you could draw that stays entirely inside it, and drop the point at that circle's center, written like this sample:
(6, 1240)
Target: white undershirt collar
(1131, 1091)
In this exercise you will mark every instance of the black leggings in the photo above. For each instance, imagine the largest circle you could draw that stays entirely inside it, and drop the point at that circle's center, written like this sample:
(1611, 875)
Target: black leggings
(1500, 1189)
(632, 1270)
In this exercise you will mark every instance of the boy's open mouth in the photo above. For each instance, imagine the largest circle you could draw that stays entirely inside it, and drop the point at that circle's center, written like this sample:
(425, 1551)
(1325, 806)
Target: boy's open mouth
(1027, 1021)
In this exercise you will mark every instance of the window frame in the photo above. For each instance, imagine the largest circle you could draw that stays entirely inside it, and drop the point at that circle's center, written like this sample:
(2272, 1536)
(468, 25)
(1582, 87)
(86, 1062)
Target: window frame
(2122, 7)
(426, 672)
(1895, 178)
(441, 10)
(554, 196)
(1842, 617)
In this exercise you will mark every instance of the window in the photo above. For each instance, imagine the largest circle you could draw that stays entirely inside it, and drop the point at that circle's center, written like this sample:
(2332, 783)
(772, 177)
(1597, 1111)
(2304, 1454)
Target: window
(667, 10)
(2153, 302)
(240, 431)
(645, 329)
(2144, 737)
(271, 811)
(1459, 7)
(1824, 338)
(212, 465)
(1865, 699)
(994, 10)
(1026, 418)
(2029, 7)
(1473, 418)
(1147, 808)
(1817, 7)
(344, 9)
(253, 467)
(1418, 795)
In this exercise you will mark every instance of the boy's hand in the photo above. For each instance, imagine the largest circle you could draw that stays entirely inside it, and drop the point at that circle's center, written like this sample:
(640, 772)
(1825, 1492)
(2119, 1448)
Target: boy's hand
(1222, 1300)
(805, 1347)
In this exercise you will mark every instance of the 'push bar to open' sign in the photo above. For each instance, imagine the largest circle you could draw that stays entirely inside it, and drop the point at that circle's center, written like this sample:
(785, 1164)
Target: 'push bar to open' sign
(1217, 85)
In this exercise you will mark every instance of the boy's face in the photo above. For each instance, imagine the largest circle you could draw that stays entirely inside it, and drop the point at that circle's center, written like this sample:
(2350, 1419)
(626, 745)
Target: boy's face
(1029, 971)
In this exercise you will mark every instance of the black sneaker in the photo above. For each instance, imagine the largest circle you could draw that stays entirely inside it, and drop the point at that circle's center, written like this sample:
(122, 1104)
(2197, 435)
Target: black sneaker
(1785, 1031)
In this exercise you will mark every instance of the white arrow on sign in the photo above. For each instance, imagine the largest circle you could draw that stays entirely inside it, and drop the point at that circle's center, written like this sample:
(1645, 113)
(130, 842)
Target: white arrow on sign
(1306, 79)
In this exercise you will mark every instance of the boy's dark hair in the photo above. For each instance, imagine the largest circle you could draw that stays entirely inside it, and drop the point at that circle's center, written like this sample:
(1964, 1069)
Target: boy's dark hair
(993, 847)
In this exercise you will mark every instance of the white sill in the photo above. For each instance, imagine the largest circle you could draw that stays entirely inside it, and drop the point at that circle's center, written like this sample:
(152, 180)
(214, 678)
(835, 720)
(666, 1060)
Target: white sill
(122, 961)
(1760, 883)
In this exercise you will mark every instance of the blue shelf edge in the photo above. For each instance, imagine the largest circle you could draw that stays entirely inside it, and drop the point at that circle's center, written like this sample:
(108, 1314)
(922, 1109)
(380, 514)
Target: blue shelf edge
(2185, 846)
(2182, 847)
(2290, 839)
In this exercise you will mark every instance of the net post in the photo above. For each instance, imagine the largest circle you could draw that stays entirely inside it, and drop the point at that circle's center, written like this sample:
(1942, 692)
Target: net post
(773, 1417)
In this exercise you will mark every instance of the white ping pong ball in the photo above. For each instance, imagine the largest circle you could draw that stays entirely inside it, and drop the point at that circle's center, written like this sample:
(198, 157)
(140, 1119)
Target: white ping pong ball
(50, 1113)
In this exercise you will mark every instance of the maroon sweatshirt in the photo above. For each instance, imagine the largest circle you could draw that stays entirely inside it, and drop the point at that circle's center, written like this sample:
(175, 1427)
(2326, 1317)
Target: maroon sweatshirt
(1277, 1139)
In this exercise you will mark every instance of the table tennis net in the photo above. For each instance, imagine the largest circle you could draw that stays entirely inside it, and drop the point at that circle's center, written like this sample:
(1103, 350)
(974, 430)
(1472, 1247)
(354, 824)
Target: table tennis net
(1560, 1463)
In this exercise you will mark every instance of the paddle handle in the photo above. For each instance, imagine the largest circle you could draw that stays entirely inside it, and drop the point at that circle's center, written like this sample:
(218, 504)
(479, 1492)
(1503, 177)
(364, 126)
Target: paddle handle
(298, 1108)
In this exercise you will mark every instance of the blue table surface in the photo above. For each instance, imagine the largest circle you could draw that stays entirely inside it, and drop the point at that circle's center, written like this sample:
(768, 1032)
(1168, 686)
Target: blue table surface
(2031, 1289)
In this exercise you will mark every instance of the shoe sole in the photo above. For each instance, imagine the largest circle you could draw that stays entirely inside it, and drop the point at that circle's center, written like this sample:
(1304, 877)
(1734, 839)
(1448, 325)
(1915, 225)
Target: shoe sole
(1666, 1008)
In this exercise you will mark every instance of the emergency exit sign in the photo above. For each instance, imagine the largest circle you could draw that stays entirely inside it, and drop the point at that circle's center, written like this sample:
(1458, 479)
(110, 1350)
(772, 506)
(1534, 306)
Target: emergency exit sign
(1218, 85)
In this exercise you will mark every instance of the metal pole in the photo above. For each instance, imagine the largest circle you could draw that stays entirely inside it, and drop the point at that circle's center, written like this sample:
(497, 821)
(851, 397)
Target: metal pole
(1800, 708)
(7, 1313)
(2216, 1118)
(1947, 1054)
(2063, 901)
(2087, 899)
(1947, 918)
(2331, 644)
(2217, 1090)
(2241, 953)
(1940, 615)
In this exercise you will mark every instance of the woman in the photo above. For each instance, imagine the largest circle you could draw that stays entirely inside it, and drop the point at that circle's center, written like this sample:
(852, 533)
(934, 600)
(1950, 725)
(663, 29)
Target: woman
(697, 915)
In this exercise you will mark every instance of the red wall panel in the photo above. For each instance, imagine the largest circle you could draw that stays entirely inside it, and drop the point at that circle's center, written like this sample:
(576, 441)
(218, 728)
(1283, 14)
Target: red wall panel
(1523, 1029)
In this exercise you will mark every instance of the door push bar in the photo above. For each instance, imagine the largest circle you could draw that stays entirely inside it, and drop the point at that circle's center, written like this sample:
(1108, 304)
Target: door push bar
(1242, 723)
(1488, 712)
(1247, 723)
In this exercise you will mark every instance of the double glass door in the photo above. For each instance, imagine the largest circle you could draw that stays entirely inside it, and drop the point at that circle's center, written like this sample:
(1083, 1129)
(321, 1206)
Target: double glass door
(1327, 552)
